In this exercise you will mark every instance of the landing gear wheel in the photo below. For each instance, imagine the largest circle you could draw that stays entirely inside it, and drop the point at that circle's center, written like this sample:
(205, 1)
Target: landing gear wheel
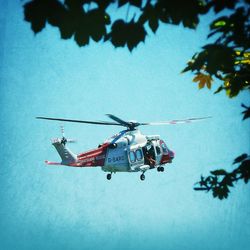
(142, 177)
(160, 169)
(109, 176)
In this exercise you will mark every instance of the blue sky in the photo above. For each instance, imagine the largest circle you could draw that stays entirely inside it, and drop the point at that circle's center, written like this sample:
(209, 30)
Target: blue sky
(69, 208)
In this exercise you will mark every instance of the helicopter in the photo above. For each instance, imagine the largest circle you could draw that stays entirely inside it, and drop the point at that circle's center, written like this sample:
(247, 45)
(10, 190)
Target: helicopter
(127, 151)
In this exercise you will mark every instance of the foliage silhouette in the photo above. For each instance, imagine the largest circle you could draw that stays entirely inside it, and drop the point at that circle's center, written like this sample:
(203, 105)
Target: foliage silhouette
(227, 59)
(246, 112)
(220, 180)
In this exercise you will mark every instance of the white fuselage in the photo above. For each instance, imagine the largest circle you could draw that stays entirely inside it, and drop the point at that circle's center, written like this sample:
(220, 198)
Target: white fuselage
(126, 152)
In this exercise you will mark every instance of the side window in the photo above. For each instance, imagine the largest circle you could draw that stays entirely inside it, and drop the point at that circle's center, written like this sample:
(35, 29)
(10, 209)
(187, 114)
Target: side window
(138, 155)
(132, 156)
(158, 150)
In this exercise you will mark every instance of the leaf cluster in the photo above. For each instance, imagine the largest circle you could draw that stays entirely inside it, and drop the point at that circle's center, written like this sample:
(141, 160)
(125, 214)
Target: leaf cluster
(228, 58)
(90, 19)
(70, 17)
(126, 33)
(173, 12)
(220, 180)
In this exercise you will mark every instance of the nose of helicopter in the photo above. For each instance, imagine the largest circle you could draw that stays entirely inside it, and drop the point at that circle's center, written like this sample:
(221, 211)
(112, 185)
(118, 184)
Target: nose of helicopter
(171, 154)
(167, 158)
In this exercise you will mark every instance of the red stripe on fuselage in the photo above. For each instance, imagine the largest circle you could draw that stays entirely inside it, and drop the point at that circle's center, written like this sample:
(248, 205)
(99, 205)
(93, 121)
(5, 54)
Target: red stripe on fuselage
(95, 157)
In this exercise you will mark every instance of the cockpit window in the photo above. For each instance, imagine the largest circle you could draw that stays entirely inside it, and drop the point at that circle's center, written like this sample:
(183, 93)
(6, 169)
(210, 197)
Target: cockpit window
(164, 147)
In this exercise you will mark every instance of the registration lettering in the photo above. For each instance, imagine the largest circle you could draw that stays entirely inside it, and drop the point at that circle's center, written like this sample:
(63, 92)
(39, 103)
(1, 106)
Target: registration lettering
(116, 159)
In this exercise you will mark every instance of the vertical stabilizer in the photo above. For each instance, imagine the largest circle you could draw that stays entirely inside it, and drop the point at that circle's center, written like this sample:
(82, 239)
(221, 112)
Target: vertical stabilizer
(67, 156)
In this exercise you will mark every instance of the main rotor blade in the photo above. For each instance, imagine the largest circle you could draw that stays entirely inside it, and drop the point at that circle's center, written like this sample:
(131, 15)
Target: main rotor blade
(79, 121)
(120, 121)
(189, 120)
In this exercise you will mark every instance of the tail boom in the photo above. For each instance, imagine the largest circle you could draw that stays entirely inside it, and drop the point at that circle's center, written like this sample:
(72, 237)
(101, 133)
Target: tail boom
(92, 158)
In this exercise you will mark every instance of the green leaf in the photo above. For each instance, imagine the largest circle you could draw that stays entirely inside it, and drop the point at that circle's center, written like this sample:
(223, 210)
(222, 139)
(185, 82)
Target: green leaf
(219, 172)
(118, 33)
(81, 37)
(186, 69)
(245, 170)
(35, 13)
(67, 26)
(219, 58)
(219, 90)
(221, 192)
(153, 24)
(219, 24)
(227, 180)
(130, 34)
(246, 112)
(240, 158)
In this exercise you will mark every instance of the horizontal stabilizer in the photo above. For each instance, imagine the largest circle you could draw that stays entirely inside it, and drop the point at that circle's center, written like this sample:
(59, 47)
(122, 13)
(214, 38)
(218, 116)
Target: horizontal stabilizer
(52, 163)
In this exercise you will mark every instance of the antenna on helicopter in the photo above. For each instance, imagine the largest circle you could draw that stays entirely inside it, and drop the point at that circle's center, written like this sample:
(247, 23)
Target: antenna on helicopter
(64, 140)
(62, 130)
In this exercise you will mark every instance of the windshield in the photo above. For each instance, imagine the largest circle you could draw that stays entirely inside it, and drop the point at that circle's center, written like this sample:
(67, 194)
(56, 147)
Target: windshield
(164, 147)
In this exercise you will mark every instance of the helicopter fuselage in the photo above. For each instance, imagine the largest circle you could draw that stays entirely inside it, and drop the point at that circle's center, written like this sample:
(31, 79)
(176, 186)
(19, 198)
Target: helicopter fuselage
(128, 151)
